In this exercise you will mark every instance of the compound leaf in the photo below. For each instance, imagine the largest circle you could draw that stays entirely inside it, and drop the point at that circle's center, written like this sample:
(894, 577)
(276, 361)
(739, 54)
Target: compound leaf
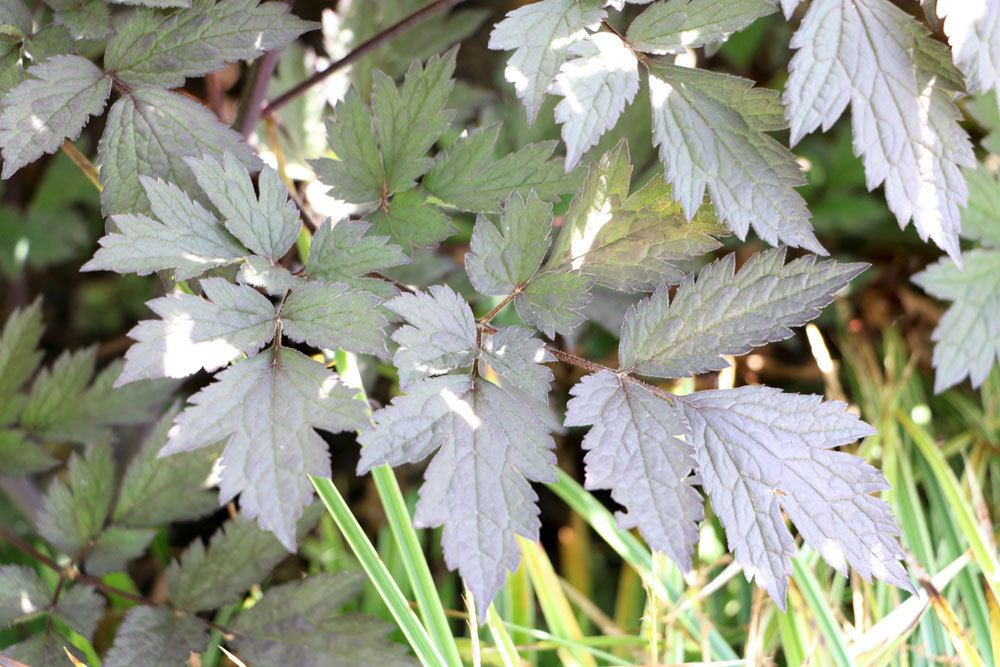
(151, 49)
(267, 407)
(488, 446)
(761, 451)
(355, 173)
(718, 313)
(981, 218)
(540, 35)
(180, 236)
(156, 637)
(635, 449)
(195, 332)
(300, 623)
(906, 126)
(151, 132)
(965, 340)
(676, 25)
(50, 106)
(596, 86)
(712, 133)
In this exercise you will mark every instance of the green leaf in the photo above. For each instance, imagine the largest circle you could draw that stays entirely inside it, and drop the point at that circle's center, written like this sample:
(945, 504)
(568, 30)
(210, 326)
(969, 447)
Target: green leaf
(156, 491)
(355, 173)
(115, 547)
(153, 50)
(15, 14)
(156, 637)
(39, 239)
(19, 354)
(20, 456)
(554, 301)
(334, 315)
(718, 313)
(195, 333)
(181, 235)
(53, 104)
(150, 132)
(410, 119)
(412, 221)
(712, 132)
(676, 25)
(84, 19)
(344, 252)
(238, 556)
(631, 243)
(502, 260)
(267, 408)
(300, 623)
(80, 607)
(268, 223)
(965, 341)
(22, 594)
(74, 510)
(45, 648)
(274, 279)
(470, 177)
(981, 218)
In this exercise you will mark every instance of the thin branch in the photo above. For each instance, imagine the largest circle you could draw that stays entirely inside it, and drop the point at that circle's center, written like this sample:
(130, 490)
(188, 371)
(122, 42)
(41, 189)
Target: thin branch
(252, 106)
(361, 50)
(81, 161)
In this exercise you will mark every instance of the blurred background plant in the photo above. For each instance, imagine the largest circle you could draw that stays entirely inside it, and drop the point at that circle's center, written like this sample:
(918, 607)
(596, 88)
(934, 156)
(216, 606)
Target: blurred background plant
(590, 594)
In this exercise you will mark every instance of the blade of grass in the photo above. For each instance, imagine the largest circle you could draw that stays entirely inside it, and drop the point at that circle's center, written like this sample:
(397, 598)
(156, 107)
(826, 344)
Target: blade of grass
(634, 553)
(555, 607)
(961, 509)
(822, 616)
(415, 633)
(410, 551)
(501, 639)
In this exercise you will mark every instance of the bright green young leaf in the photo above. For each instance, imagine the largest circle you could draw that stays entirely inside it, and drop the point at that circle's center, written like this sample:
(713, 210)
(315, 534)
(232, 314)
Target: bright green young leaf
(675, 25)
(412, 221)
(502, 260)
(355, 173)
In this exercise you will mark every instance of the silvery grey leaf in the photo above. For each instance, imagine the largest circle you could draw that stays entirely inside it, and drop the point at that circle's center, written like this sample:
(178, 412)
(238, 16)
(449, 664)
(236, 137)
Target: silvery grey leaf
(266, 407)
(517, 356)
(636, 448)
(274, 279)
(761, 451)
(180, 235)
(268, 223)
(554, 301)
(334, 315)
(156, 637)
(721, 313)
(439, 334)
(195, 333)
(487, 446)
